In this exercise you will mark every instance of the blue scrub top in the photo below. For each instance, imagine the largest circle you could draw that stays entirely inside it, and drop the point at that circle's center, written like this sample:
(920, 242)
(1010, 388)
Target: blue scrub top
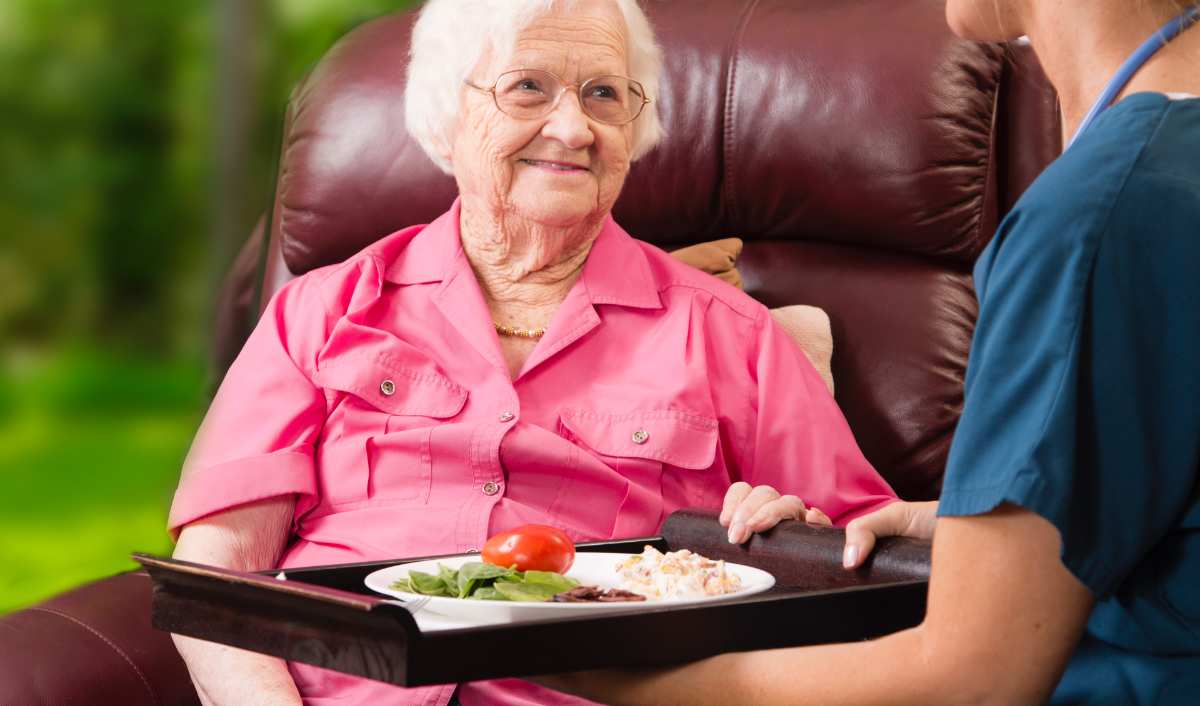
(1083, 392)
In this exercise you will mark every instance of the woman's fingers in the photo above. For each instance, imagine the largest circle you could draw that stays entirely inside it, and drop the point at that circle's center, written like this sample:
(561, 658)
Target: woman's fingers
(747, 508)
(904, 519)
(762, 509)
(816, 517)
(733, 497)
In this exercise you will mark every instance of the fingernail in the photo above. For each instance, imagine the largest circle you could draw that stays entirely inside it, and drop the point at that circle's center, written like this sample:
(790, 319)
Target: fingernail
(850, 558)
(737, 532)
(757, 519)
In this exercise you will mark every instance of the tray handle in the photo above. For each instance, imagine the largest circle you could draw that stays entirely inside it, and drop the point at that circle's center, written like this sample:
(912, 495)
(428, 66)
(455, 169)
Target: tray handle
(798, 554)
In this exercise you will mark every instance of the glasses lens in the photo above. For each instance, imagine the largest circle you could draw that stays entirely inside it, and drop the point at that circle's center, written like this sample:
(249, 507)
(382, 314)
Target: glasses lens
(612, 99)
(527, 93)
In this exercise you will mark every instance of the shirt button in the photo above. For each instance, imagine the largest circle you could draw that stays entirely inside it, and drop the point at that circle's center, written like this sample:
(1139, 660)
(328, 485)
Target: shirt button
(472, 551)
(506, 416)
(490, 488)
(387, 387)
(639, 437)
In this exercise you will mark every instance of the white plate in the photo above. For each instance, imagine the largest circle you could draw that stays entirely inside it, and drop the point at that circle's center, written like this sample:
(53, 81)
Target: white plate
(590, 568)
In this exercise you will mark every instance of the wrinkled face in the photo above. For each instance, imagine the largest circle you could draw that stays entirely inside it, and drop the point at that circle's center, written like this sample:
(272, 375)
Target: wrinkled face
(985, 20)
(562, 167)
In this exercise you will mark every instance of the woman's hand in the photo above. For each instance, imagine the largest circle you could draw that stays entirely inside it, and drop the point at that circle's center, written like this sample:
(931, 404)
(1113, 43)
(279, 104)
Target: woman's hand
(748, 510)
(898, 519)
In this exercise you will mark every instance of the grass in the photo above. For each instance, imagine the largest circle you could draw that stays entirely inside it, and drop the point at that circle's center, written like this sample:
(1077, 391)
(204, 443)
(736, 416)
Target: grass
(90, 451)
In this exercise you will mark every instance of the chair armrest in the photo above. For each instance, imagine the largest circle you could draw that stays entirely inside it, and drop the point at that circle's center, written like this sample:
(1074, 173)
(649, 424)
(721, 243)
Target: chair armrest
(92, 646)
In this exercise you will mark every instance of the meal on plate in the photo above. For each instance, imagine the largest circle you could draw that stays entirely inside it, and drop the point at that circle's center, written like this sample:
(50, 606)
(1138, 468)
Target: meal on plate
(527, 565)
(679, 575)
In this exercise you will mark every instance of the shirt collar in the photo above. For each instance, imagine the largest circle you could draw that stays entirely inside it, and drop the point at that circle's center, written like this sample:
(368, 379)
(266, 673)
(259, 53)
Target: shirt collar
(616, 271)
(430, 254)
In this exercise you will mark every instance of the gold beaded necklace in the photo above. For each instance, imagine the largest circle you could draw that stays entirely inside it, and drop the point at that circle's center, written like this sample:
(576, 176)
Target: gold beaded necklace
(519, 332)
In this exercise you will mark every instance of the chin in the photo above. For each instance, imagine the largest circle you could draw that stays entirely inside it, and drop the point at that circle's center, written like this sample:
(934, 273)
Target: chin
(557, 210)
(981, 20)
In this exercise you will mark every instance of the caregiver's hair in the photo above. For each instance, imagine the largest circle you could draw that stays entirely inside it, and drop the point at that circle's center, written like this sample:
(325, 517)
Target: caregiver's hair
(450, 37)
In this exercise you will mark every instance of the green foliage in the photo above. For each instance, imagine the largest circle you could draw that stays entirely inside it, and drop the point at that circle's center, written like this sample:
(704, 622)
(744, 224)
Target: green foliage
(108, 259)
(90, 448)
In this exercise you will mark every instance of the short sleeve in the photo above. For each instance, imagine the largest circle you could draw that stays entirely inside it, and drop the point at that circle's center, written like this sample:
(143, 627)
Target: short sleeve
(259, 437)
(801, 444)
(1077, 404)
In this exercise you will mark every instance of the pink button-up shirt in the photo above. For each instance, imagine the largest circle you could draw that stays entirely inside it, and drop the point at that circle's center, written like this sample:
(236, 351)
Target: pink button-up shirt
(376, 391)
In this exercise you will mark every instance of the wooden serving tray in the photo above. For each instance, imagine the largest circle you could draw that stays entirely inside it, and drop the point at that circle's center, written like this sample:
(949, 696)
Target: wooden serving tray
(325, 616)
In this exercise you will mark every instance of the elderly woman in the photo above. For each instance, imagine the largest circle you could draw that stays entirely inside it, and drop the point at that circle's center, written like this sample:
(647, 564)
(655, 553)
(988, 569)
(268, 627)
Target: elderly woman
(519, 360)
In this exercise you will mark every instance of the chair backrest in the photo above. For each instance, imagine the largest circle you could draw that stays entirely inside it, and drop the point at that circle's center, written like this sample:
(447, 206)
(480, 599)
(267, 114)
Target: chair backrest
(863, 152)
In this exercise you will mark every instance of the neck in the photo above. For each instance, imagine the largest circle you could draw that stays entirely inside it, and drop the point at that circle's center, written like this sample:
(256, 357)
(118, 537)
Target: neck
(1082, 44)
(525, 269)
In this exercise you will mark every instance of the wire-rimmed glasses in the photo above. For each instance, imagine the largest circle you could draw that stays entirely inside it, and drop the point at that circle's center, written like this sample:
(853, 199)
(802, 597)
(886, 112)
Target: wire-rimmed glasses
(529, 93)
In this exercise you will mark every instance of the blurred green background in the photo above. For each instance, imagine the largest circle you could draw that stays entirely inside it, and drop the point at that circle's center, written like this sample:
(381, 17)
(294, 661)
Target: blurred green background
(135, 143)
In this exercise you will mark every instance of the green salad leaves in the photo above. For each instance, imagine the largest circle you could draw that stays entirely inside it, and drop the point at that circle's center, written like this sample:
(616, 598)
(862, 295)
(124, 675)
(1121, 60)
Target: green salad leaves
(487, 582)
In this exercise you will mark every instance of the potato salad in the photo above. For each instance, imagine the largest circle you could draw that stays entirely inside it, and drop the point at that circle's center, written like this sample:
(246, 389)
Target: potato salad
(680, 575)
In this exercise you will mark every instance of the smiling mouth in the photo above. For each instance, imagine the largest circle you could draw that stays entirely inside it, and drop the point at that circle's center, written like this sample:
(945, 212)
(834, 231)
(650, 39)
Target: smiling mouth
(554, 165)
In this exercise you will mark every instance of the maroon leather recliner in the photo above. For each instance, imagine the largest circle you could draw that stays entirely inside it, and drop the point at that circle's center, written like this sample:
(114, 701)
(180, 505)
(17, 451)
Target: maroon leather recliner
(863, 152)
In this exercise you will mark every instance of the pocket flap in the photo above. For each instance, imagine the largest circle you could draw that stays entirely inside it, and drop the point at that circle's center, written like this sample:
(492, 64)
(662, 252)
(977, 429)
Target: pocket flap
(677, 438)
(391, 387)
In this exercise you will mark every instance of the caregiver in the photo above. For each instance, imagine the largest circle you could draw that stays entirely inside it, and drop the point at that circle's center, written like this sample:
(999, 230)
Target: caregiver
(1066, 563)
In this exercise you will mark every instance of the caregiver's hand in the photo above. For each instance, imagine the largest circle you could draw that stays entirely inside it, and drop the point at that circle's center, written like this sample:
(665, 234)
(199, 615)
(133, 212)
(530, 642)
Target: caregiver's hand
(748, 510)
(896, 520)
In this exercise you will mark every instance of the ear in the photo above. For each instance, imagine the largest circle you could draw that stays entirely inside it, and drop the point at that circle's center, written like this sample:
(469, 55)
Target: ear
(442, 149)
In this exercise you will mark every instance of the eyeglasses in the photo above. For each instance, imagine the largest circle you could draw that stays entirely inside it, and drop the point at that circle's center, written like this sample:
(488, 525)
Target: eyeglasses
(529, 93)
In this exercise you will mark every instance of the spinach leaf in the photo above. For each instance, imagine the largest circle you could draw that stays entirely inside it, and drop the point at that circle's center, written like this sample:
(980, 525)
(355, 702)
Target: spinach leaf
(557, 581)
(430, 585)
(479, 570)
(526, 592)
(488, 593)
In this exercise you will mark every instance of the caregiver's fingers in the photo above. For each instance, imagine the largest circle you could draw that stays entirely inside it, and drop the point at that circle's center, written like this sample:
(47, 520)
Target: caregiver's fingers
(897, 519)
(733, 497)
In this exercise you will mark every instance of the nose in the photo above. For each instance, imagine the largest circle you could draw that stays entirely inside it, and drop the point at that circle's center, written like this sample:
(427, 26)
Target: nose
(568, 124)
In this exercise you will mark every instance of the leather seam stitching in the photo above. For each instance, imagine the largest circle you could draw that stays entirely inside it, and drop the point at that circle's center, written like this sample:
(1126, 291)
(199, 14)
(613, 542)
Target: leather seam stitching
(110, 643)
(730, 112)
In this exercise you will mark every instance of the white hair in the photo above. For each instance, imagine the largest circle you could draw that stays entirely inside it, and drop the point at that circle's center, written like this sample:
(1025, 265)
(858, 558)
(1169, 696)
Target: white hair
(451, 36)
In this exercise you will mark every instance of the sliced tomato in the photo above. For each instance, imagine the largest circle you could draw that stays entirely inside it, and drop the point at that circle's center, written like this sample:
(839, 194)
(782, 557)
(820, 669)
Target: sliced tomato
(531, 548)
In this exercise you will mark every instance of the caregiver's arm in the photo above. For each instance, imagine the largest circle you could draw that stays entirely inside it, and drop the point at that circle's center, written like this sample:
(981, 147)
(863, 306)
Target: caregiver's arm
(248, 537)
(1003, 617)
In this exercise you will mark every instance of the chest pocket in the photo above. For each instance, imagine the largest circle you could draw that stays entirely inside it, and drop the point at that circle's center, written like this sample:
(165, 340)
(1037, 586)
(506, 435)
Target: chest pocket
(677, 438)
(392, 387)
(631, 474)
(376, 445)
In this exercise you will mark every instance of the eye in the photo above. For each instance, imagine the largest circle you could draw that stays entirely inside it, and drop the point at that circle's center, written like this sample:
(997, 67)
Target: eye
(602, 92)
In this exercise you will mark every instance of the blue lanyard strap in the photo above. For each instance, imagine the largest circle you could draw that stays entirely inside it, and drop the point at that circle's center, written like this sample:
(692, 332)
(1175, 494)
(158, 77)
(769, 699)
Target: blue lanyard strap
(1157, 41)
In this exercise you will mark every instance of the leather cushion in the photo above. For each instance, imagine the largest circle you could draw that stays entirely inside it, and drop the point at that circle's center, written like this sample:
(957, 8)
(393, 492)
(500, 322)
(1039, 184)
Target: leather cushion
(92, 646)
(902, 329)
